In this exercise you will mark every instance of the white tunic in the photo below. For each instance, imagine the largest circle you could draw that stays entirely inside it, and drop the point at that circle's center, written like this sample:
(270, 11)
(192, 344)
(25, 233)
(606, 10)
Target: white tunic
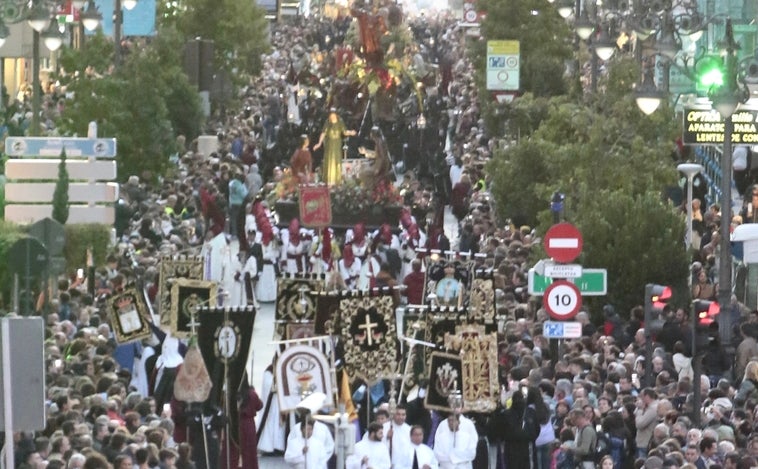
(265, 288)
(456, 450)
(320, 448)
(400, 446)
(369, 270)
(377, 452)
(424, 455)
(350, 274)
(271, 438)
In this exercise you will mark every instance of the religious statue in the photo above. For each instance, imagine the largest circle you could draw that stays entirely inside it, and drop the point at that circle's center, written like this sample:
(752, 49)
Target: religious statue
(372, 28)
(381, 169)
(331, 137)
(301, 162)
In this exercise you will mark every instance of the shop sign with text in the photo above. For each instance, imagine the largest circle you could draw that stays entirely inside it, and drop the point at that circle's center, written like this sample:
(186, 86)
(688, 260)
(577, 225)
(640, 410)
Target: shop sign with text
(706, 126)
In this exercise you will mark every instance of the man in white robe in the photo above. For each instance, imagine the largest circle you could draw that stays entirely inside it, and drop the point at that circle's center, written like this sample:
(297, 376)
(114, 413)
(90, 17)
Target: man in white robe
(455, 443)
(370, 452)
(271, 435)
(397, 434)
(423, 454)
(309, 445)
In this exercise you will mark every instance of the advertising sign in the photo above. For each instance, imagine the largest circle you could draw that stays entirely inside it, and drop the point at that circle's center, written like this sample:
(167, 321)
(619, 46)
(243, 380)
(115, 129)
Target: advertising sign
(706, 127)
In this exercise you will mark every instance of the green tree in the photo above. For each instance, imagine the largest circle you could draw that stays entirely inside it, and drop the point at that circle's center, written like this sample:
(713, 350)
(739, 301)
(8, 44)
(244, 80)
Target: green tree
(612, 163)
(237, 28)
(60, 195)
(145, 103)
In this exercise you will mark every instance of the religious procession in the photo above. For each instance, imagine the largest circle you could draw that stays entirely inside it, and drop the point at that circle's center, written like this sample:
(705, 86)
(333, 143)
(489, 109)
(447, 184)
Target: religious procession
(321, 281)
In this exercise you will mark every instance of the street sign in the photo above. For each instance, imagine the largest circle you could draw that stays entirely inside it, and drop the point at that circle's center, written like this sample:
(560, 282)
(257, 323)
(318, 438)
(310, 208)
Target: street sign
(563, 270)
(53, 146)
(562, 300)
(562, 330)
(593, 282)
(51, 234)
(503, 65)
(563, 242)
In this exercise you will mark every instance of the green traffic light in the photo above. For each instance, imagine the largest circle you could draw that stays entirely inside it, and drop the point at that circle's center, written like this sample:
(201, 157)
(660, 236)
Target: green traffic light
(710, 72)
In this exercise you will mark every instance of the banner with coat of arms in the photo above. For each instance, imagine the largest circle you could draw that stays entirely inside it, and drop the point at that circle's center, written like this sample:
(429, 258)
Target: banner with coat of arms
(172, 268)
(129, 316)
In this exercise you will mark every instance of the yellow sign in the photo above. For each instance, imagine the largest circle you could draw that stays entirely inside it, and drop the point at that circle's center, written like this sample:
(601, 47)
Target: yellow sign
(702, 127)
(503, 47)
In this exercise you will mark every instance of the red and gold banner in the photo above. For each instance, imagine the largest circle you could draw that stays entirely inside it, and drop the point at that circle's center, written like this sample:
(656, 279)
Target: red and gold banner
(315, 206)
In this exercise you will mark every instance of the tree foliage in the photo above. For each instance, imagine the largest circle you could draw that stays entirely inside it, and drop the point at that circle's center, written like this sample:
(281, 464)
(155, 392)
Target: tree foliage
(60, 195)
(143, 104)
(612, 163)
(238, 29)
(545, 46)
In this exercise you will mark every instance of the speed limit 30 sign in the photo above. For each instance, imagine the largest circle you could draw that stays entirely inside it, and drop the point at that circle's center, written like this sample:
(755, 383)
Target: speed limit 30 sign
(562, 300)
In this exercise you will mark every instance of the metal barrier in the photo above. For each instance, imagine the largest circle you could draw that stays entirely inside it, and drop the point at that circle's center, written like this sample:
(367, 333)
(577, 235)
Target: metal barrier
(710, 157)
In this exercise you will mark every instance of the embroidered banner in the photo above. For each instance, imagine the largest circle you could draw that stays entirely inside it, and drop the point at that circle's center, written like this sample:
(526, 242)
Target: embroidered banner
(224, 338)
(296, 300)
(445, 377)
(315, 205)
(448, 281)
(481, 304)
(478, 352)
(129, 316)
(172, 268)
(369, 333)
(188, 297)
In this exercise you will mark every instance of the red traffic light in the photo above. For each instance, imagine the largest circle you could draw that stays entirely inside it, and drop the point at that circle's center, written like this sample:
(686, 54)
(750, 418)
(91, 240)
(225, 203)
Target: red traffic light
(660, 295)
(706, 312)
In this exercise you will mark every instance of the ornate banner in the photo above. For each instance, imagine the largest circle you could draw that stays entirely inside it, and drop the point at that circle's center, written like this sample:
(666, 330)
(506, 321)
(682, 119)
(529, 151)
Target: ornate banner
(128, 316)
(302, 370)
(368, 330)
(295, 302)
(186, 296)
(481, 305)
(445, 377)
(328, 311)
(449, 281)
(172, 268)
(478, 352)
(315, 206)
(224, 338)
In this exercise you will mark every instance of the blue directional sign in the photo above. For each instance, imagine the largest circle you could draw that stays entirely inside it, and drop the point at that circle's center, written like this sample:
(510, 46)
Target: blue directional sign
(52, 146)
(562, 330)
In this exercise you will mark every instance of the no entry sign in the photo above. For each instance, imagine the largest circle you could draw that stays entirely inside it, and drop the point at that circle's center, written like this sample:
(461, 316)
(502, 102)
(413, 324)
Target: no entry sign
(563, 242)
(562, 300)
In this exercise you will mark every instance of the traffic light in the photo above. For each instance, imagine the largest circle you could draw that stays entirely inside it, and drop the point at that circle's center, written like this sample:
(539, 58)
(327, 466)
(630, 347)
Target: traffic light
(705, 314)
(710, 72)
(656, 300)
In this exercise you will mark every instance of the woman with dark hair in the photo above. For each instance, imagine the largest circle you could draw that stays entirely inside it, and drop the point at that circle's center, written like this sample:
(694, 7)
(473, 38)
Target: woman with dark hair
(520, 430)
(544, 442)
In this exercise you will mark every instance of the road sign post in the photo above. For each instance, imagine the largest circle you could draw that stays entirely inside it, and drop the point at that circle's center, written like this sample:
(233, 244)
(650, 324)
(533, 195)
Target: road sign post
(563, 242)
(562, 300)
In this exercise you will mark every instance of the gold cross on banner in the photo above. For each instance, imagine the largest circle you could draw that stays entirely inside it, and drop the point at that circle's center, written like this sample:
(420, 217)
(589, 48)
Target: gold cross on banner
(369, 326)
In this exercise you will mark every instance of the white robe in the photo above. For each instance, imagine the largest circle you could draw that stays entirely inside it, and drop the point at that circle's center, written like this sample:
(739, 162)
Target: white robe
(215, 252)
(401, 447)
(369, 270)
(320, 448)
(350, 274)
(377, 452)
(456, 450)
(271, 438)
(265, 288)
(294, 257)
(424, 455)
(234, 283)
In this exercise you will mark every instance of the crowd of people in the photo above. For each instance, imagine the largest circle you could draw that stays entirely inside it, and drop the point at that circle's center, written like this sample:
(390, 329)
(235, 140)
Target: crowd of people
(592, 405)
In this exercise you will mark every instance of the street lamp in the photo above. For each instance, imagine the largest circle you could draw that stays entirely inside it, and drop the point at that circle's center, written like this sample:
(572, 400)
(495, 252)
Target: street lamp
(690, 170)
(726, 99)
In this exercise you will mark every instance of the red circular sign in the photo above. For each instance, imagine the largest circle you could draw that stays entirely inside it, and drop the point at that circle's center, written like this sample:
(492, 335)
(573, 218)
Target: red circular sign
(563, 242)
(562, 300)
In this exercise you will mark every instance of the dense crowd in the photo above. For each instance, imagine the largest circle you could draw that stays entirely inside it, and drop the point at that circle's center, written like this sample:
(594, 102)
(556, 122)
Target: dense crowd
(591, 405)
